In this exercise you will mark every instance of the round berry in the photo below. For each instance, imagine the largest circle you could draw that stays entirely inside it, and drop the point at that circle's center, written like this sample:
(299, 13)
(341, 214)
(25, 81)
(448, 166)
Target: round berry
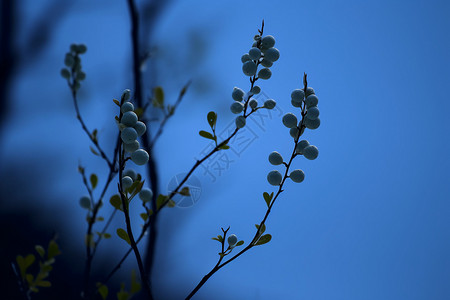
(311, 100)
(253, 103)
(245, 58)
(126, 95)
(272, 54)
(275, 158)
(232, 240)
(312, 113)
(296, 103)
(266, 63)
(311, 152)
(140, 157)
(270, 104)
(240, 122)
(85, 202)
(126, 182)
(128, 135)
(309, 91)
(237, 94)
(129, 119)
(268, 41)
(298, 95)
(140, 128)
(254, 53)
(237, 107)
(294, 132)
(264, 73)
(130, 173)
(312, 124)
(274, 177)
(249, 68)
(297, 175)
(127, 106)
(256, 90)
(301, 146)
(146, 195)
(131, 147)
(290, 120)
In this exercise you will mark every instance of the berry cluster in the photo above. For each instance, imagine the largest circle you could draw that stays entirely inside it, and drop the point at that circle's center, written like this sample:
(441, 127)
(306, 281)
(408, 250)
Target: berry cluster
(129, 176)
(73, 63)
(131, 128)
(307, 101)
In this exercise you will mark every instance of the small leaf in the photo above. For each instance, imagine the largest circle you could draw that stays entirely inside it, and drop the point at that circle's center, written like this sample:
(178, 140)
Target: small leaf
(206, 134)
(39, 249)
(139, 111)
(224, 147)
(135, 284)
(184, 191)
(89, 240)
(160, 201)
(24, 263)
(240, 243)
(106, 235)
(102, 290)
(29, 279)
(93, 151)
(158, 101)
(216, 239)
(220, 238)
(263, 240)
(144, 216)
(94, 135)
(94, 180)
(65, 73)
(53, 249)
(116, 202)
(268, 198)
(43, 283)
(123, 235)
(212, 118)
(263, 228)
(116, 102)
(99, 219)
(171, 203)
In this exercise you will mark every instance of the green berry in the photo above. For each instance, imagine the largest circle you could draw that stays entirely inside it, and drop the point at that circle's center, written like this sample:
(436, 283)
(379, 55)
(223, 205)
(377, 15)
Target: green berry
(275, 158)
(274, 177)
(290, 120)
(237, 107)
(237, 94)
(140, 157)
(232, 240)
(140, 128)
(298, 95)
(146, 195)
(129, 119)
(131, 173)
(264, 73)
(301, 146)
(65, 73)
(268, 41)
(69, 60)
(254, 53)
(126, 182)
(82, 48)
(245, 57)
(311, 152)
(85, 202)
(126, 107)
(131, 147)
(272, 54)
(128, 135)
(266, 63)
(270, 104)
(240, 122)
(311, 100)
(297, 176)
(312, 124)
(249, 68)
(253, 103)
(312, 113)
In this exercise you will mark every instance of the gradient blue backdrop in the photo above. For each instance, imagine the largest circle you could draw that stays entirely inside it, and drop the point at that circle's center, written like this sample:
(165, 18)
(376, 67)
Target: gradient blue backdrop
(371, 219)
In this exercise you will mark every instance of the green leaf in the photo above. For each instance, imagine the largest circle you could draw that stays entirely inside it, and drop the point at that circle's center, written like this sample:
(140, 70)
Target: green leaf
(123, 235)
(263, 228)
(53, 249)
(216, 239)
(93, 151)
(144, 217)
(24, 263)
(158, 101)
(171, 203)
(263, 240)
(106, 235)
(102, 290)
(39, 249)
(116, 202)
(43, 283)
(135, 284)
(100, 219)
(206, 134)
(89, 240)
(30, 279)
(184, 191)
(116, 102)
(94, 181)
(224, 147)
(220, 238)
(240, 243)
(212, 118)
(122, 294)
(268, 198)
(160, 201)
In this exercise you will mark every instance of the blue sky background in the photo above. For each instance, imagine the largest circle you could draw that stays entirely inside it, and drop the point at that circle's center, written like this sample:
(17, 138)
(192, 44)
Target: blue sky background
(370, 221)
